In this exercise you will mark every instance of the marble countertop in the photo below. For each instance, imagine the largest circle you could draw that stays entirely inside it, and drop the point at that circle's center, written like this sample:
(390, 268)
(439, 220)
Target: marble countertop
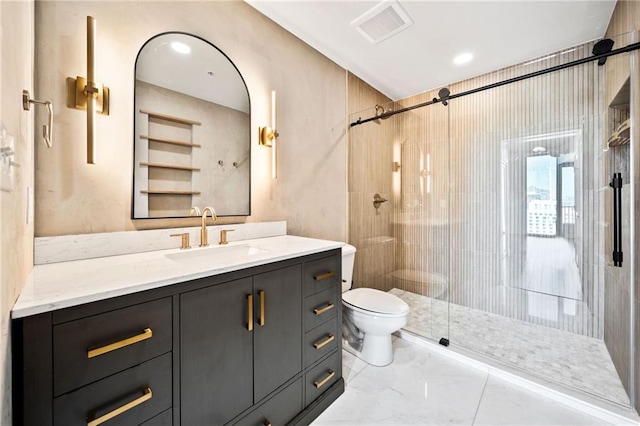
(61, 285)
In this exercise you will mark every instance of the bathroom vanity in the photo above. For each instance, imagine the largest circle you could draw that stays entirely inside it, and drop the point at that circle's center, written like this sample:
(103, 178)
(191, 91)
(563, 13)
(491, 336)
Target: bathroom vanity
(244, 334)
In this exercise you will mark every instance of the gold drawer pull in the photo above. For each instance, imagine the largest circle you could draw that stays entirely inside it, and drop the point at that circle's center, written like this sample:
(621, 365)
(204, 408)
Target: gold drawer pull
(321, 383)
(146, 334)
(126, 407)
(250, 312)
(320, 311)
(266, 422)
(324, 276)
(326, 341)
(261, 320)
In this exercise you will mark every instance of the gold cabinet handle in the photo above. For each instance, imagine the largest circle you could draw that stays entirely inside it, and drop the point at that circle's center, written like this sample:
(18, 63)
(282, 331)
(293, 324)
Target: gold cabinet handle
(262, 297)
(322, 382)
(250, 312)
(324, 276)
(266, 422)
(326, 341)
(320, 311)
(146, 334)
(148, 394)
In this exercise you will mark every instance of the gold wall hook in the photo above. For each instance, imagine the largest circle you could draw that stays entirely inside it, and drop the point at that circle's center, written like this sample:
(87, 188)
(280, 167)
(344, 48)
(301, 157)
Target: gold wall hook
(47, 129)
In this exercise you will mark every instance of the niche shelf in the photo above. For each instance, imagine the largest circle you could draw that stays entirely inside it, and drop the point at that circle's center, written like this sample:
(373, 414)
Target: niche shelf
(167, 168)
(169, 192)
(169, 141)
(170, 166)
(173, 118)
(619, 132)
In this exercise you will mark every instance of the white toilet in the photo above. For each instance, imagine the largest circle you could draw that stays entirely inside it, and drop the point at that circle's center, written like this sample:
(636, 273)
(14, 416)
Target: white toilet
(369, 316)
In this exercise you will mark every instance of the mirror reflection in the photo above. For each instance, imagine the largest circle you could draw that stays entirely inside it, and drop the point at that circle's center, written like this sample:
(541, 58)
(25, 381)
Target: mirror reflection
(192, 130)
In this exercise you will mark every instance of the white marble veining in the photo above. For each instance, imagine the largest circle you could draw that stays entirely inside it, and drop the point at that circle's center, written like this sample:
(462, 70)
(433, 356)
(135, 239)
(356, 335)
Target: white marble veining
(572, 360)
(422, 387)
(59, 285)
(85, 246)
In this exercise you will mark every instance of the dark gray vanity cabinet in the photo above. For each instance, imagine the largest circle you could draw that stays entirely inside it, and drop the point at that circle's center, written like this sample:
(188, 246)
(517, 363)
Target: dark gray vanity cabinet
(216, 353)
(250, 347)
(243, 336)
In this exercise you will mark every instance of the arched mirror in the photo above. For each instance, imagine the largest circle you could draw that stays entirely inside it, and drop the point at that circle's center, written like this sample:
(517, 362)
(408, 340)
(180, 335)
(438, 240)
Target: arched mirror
(192, 130)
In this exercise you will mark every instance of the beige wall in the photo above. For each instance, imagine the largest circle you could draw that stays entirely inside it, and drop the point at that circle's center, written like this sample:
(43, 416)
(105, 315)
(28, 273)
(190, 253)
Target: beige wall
(16, 243)
(73, 197)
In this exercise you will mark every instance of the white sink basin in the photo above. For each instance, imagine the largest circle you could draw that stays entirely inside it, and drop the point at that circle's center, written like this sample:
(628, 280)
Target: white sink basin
(216, 254)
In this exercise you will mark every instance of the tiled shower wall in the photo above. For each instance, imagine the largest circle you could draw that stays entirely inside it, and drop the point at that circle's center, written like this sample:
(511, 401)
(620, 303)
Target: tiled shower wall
(620, 293)
(370, 155)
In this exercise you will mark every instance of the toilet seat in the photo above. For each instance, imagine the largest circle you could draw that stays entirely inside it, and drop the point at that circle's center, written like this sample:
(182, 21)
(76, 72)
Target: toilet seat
(376, 302)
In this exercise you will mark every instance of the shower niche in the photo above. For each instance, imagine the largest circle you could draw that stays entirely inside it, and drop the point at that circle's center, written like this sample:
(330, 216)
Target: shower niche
(617, 313)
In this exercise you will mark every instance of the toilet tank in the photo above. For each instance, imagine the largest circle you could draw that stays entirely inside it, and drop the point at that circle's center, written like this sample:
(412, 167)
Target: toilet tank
(348, 260)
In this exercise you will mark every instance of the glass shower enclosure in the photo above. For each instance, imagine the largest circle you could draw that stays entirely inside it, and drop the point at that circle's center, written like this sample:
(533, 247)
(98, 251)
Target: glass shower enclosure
(499, 232)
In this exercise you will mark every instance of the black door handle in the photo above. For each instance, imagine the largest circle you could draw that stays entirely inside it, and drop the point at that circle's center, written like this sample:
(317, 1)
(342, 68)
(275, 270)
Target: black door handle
(616, 184)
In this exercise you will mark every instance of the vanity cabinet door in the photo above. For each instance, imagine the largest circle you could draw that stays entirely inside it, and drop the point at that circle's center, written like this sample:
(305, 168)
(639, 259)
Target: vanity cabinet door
(278, 328)
(216, 353)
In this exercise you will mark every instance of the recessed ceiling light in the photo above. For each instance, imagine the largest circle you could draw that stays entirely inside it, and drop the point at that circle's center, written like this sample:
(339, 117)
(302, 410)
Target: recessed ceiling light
(463, 58)
(180, 47)
(539, 149)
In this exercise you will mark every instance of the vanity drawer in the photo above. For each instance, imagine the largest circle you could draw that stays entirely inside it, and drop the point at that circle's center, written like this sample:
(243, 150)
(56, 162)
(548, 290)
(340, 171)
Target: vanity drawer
(321, 307)
(322, 376)
(321, 274)
(279, 410)
(138, 394)
(129, 336)
(320, 341)
(163, 419)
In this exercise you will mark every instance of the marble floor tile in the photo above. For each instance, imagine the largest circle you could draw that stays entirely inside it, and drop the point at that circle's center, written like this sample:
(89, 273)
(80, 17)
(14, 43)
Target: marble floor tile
(424, 388)
(419, 387)
(503, 403)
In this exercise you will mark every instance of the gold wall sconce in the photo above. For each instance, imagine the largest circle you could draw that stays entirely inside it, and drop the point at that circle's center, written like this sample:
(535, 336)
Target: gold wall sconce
(267, 136)
(86, 93)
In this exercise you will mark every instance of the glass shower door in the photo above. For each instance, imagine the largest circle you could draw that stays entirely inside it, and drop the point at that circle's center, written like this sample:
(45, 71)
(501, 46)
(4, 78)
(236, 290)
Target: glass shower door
(421, 220)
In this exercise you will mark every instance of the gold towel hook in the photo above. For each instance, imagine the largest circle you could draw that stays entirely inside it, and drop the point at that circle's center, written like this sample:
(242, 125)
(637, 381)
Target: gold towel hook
(47, 129)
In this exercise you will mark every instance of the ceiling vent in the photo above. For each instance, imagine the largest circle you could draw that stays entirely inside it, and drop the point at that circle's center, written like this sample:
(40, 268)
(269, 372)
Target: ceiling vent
(384, 20)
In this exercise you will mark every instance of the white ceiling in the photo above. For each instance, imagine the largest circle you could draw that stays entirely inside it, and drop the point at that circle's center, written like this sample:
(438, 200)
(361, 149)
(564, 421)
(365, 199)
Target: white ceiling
(498, 33)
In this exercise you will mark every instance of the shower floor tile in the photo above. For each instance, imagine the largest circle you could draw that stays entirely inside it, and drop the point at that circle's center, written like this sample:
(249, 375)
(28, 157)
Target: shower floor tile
(570, 359)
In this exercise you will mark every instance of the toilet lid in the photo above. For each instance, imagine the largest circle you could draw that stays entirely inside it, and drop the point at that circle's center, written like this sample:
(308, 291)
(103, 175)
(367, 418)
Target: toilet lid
(375, 301)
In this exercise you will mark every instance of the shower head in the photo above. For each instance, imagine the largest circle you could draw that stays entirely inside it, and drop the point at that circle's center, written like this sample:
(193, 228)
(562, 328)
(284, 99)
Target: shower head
(603, 46)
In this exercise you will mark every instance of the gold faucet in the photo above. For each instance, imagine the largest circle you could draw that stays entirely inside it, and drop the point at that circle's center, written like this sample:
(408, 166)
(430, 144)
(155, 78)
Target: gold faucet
(204, 239)
(195, 211)
(223, 236)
